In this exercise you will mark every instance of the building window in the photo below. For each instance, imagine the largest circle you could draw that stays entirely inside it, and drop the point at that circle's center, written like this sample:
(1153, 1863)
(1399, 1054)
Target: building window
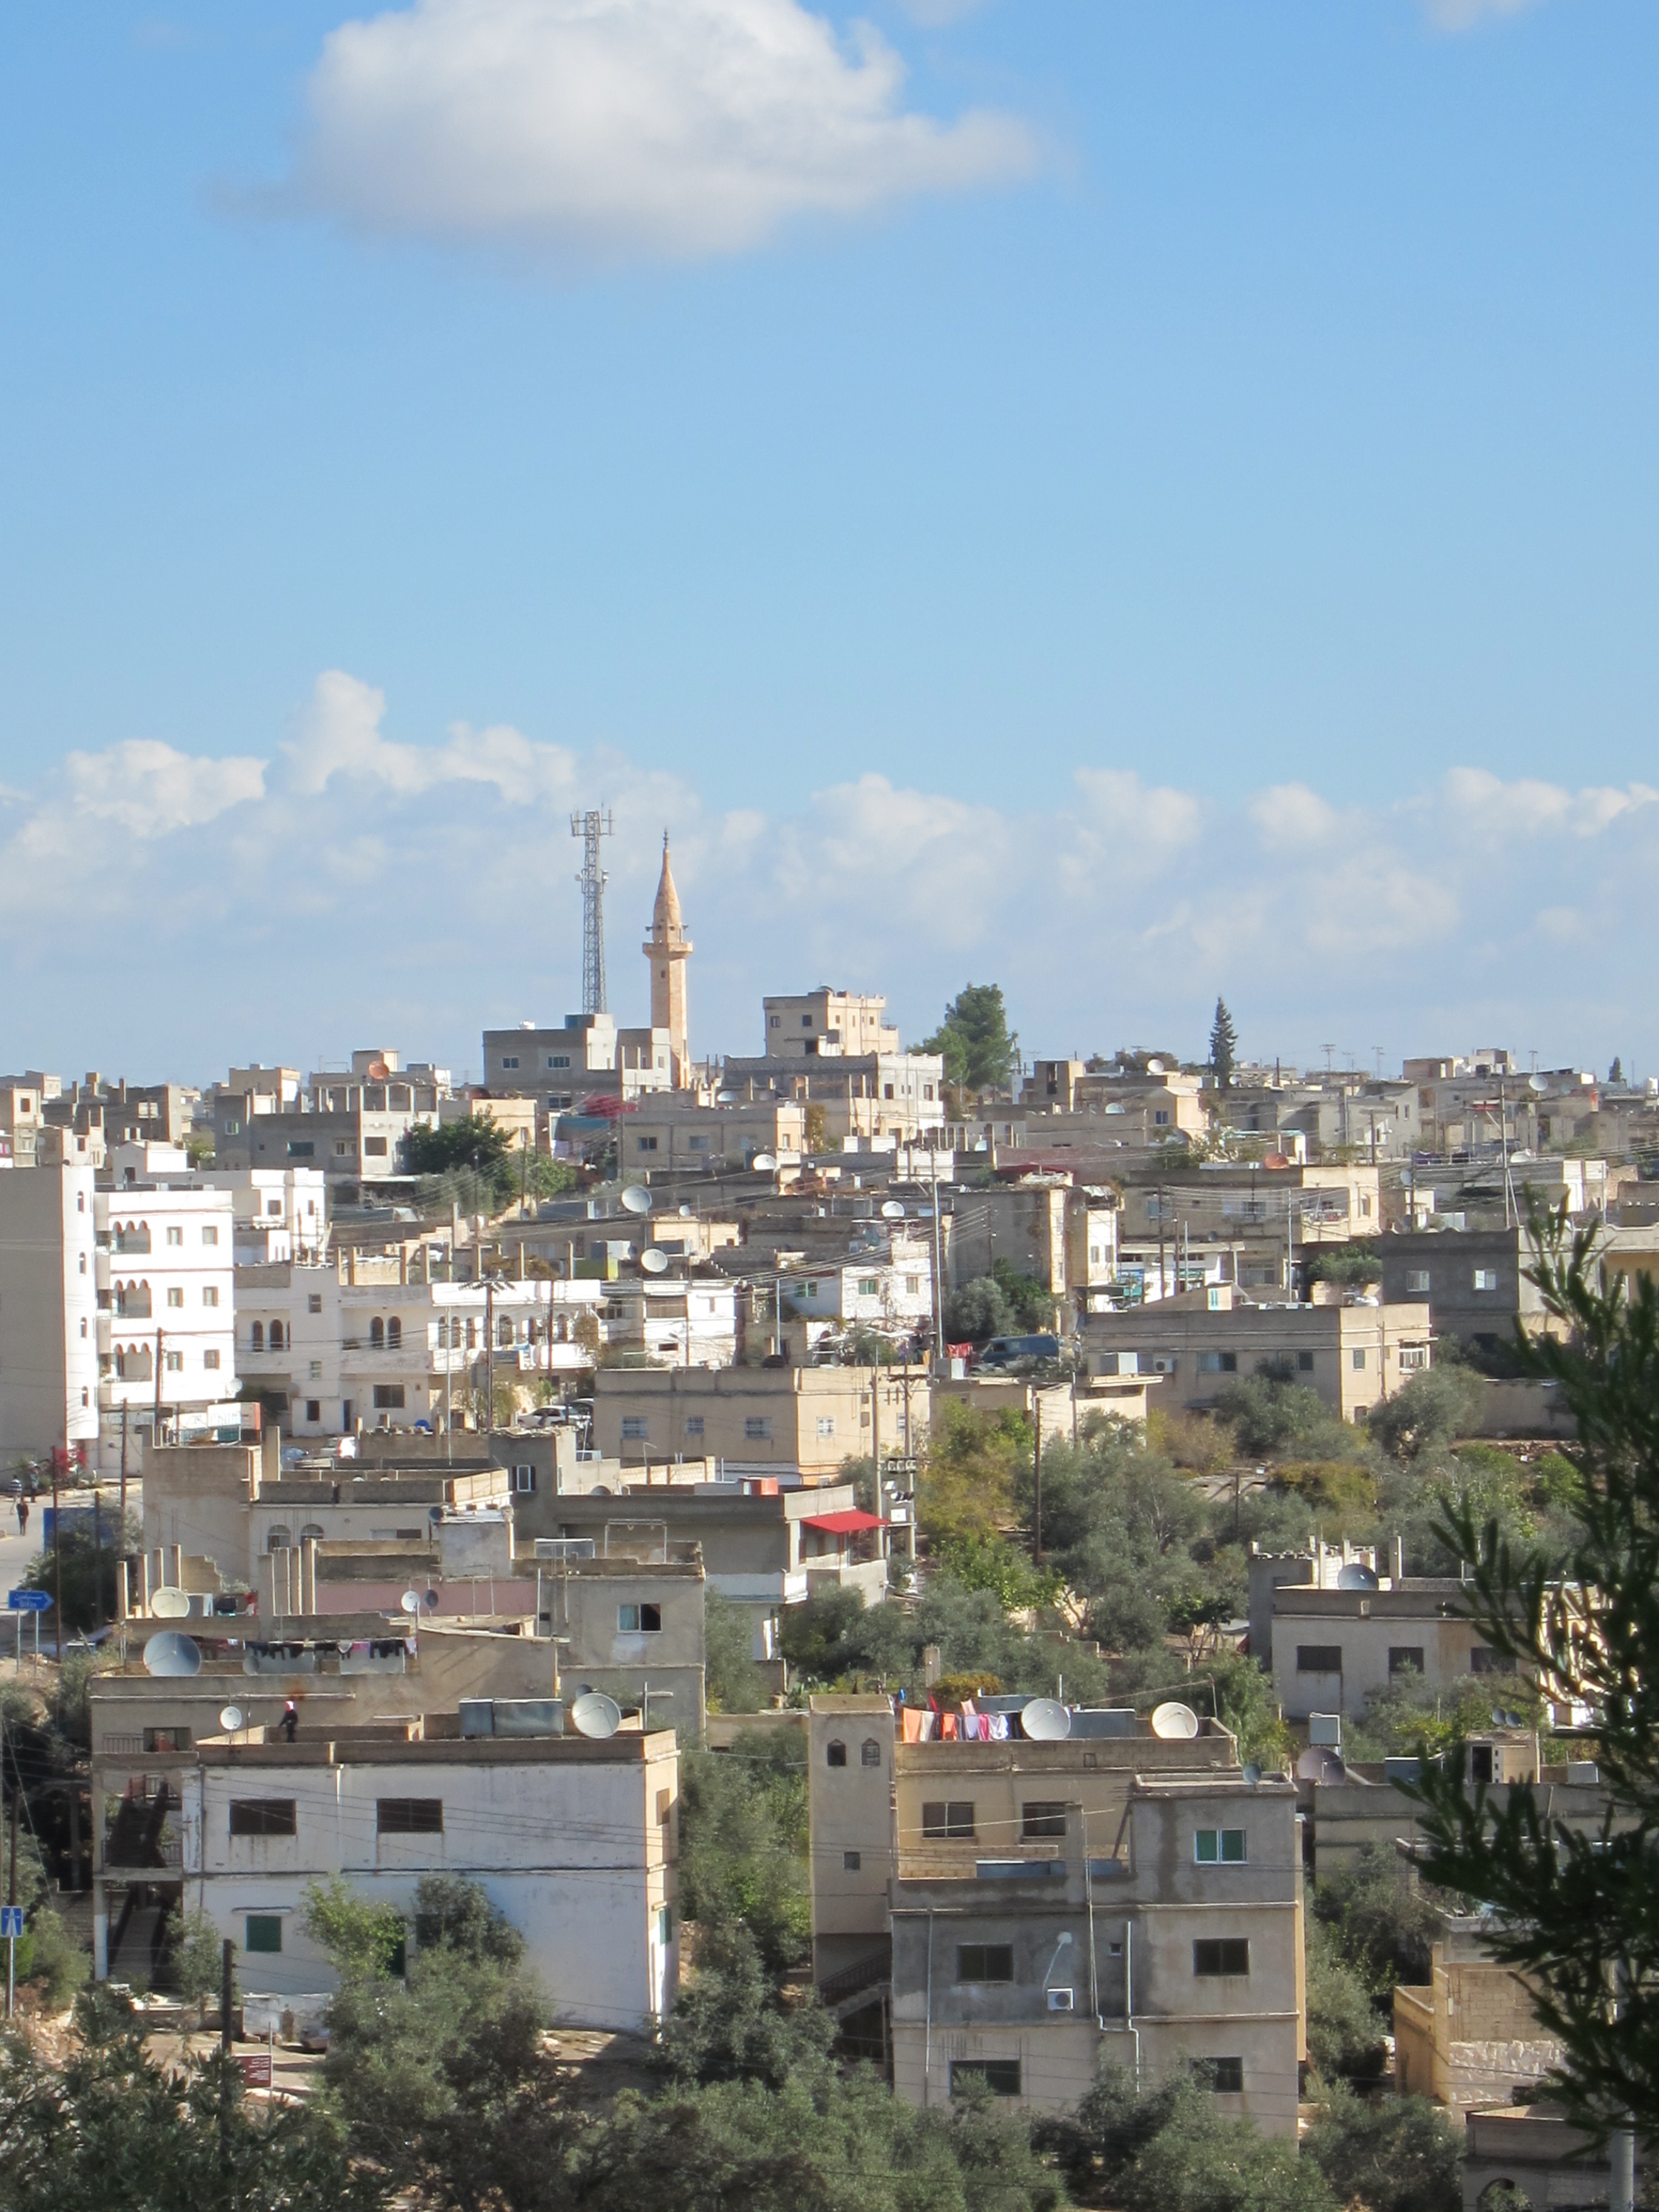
(639, 1620)
(635, 1428)
(210, 1361)
(869, 1286)
(645, 1144)
(510, 1060)
(175, 1296)
(394, 1334)
(869, 1752)
(1223, 2077)
(275, 1336)
(210, 1234)
(166, 1738)
(1357, 1358)
(951, 1823)
(524, 1480)
(314, 1301)
(999, 2076)
(984, 1962)
(1417, 1279)
(1318, 1658)
(263, 1816)
(256, 1337)
(300, 1150)
(757, 1429)
(1219, 1847)
(1485, 1278)
(694, 1425)
(175, 1363)
(377, 1335)
(1405, 1659)
(314, 1409)
(1483, 1660)
(1304, 1362)
(409, 1816)
(375, 1147)
(1219, 1957)
(826, 1425)
(1041, 1817)
(263, 1931)
(209, 1294)
(558, 1060)
(175, 1236)
(1218, 1363)
(836, 1755)
(388, 1397)
(1414, 1357)
(851, 1862)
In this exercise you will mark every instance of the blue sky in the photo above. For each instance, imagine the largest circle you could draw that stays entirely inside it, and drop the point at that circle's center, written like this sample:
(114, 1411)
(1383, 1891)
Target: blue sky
(1128, 499)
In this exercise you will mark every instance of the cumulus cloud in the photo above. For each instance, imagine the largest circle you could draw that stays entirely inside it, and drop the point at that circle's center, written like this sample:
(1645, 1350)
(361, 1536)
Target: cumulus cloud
(365, 879)
(671, 129)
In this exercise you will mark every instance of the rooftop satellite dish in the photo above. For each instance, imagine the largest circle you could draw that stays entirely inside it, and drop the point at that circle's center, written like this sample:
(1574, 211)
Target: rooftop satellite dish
(1155, 1068)
(1355, 1577)
(1045, 1720)
(763, 1164)
(654, 1261)
(432, 1601)
(1174, 1722)
(232, 1718)
(409, 1601)
(687, 1213)
(595, 1715)
(725, 1097)
(172, 1653)
(1316, 1765)
(892, 1210)
(636, 1198)
(1253, 1774)
(1537, 1082)
(169, 1604)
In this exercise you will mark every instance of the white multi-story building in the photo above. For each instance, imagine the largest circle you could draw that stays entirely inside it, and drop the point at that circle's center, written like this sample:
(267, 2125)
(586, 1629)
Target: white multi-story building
(48, 1318)
(883, 1289)
(346, 1343)
(280, 1213)
(167, 1294)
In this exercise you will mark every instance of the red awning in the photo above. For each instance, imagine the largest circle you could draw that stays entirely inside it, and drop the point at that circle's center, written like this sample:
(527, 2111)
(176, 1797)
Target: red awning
(841, 1525)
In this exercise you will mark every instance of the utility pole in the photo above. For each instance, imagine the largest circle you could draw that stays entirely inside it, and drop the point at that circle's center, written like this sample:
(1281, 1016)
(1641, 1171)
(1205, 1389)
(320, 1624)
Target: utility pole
(490, 1356)
(1160, 1240)
(1037, 1476)
(590, 827)
(57, 1549)
(938, 1270)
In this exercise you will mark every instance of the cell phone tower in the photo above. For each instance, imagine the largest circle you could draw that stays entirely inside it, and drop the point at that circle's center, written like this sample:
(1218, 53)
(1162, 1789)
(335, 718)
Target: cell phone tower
(590, 827)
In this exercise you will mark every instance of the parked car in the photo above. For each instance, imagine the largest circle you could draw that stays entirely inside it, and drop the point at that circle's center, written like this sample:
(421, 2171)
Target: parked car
(1010, 1351)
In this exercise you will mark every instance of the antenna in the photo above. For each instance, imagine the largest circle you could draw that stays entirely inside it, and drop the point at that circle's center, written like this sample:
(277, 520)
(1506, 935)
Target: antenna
(590, 827)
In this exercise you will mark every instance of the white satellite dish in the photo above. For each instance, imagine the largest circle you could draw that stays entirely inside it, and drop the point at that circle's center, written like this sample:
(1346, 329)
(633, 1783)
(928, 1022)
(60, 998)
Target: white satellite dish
(1174, 1722)
(172, 1653)
(1155, 1068)
(1537, 1082)
(636, 1198)
(1045, 1720)
(1355, 1577)
(1253, 1775)
(232, 1718)
(725, 1097)
(595, 1715)
(169, 1604)
(654, 1263)
(892, 1210)
(409, 1601)
(763, 1164)
(686, 1214)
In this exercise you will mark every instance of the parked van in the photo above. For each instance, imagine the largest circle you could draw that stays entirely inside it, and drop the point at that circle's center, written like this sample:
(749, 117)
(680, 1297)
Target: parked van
(1006, 1350)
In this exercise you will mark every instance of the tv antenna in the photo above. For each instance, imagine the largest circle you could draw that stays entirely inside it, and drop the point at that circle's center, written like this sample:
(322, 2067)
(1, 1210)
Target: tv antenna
(590, 827)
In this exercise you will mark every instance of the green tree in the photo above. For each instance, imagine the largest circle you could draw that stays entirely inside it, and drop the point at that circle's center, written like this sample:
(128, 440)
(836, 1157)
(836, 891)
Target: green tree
(980, 1050)
(1427, 1413)
(360, 1935)
(1398, 2155)
(1030, 1303)
(977, 1311)
(1577, 1913)
(1345, 2035)
(732, 2023)
(744, 1844)
(476, 1141)
(1224, 1047)
(733, 1684)
(197, 1955)
(90, 1562)
(1168, 2150)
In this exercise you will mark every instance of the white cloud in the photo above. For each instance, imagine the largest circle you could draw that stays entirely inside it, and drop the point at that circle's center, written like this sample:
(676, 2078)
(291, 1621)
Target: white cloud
(612, 128)
(369, 881)
(339, 734)
(149, 789)
(1464, 15)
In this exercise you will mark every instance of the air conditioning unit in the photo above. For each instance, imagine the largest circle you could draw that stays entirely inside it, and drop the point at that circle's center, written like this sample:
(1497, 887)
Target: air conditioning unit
(1063, 2000)
(1162, 1363)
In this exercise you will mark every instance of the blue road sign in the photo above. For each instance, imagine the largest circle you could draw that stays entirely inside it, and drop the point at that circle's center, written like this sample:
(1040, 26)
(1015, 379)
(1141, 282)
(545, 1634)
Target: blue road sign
(28, 1602)
(11, 1920)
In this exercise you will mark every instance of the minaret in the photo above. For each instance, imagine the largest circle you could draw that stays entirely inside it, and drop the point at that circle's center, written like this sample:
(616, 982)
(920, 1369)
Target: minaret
(668, 948)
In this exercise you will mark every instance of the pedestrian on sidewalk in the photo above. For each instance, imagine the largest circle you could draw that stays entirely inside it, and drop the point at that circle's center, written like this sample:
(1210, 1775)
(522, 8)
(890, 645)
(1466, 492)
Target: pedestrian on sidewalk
(22, 1517)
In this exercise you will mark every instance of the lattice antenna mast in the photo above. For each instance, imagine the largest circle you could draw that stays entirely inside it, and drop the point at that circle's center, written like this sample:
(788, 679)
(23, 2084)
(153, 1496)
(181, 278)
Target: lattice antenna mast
(590, 827)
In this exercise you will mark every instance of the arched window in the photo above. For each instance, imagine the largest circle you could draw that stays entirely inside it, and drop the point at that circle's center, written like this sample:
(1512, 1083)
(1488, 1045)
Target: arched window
(472, 1331)
(256, 1339)
(279, 1540)
(504, 1332)
(313, 1532)
(394, 1334)
(275, 1336)
(835, 1755)
(377, 1335)
(83, 1324)
(869, 1752)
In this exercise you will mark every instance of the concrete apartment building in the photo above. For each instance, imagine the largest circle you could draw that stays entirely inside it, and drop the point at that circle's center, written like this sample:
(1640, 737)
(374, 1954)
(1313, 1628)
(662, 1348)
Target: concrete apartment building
(50, 1321)
(589, 1057)
(810, 1024)
(849, 1099)
(1353, 1355)
(349, 1126)
(781, 1420)
(1045, 1226)
(167, 1294)
(889, 1290)
(1473, 1281)
(1469, 2036)
(1333, 1649)
(1051, 1906)
(574, 1841)
(671, 1138)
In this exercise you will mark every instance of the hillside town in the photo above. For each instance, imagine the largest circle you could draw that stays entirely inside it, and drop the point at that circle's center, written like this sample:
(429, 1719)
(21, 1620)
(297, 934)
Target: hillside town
(843, 1421)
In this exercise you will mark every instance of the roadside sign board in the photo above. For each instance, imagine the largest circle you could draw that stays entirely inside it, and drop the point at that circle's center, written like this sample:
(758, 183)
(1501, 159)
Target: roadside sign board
(11, 1920)
(21, 1600)
(256, 2068)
